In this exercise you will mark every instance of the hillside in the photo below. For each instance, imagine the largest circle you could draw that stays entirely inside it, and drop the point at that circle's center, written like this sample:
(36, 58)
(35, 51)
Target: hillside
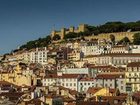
(108, 27)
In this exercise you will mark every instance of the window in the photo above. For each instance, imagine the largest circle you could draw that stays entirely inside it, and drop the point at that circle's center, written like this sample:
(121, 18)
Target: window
(129, 79)
(121, 87)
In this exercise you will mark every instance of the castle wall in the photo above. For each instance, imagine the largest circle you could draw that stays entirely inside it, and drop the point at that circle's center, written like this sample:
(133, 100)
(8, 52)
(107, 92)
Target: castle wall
(63, 31)
(118, 36)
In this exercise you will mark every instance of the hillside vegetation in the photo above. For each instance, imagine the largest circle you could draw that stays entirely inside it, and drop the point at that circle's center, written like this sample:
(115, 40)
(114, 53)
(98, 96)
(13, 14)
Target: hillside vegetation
(108, 27)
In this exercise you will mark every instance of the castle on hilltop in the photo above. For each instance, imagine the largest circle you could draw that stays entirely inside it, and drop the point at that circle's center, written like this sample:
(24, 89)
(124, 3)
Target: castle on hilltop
(64, 31)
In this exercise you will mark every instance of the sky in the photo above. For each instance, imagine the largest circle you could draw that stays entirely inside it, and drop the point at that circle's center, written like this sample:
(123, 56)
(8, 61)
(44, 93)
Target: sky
(25, 20)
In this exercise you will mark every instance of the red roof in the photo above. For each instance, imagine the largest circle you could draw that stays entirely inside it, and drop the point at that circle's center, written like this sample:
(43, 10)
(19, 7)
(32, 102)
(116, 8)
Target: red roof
(3, 83)
(114, 97)
(137, 95)
(71, 103)
(134, 64)
(110, 76)
(93, 90)
(91, 103)
(63, 76)
(119, 46)
(87, 79)
(122, 54)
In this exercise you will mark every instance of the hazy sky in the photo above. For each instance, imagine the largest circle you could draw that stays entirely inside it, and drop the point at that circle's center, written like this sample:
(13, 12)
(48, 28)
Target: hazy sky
(24, 20)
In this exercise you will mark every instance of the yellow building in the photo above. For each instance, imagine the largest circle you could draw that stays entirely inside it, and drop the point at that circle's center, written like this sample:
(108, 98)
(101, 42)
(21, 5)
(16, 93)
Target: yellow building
(133, 77)
(16, 77)
(74, 55)
(98, 91)
(92, 59)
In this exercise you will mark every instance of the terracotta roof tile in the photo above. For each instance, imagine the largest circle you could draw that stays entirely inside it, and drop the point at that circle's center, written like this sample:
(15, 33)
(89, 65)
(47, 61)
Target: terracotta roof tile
(92, 103)
(87, 79)
(63, 76)
(114, 97)
(134, 64)
(110, 76)
(93, 90)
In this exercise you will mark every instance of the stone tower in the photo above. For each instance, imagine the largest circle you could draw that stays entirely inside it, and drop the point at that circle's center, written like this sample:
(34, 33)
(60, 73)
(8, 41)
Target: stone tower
(71, 29)
(63, 31)
(82, 28)
(53, 33)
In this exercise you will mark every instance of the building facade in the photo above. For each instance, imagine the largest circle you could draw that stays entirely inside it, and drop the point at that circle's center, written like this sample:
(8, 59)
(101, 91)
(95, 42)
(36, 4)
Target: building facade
(133, 76)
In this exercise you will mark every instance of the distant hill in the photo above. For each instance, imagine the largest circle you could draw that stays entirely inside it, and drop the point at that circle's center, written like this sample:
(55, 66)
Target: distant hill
(108, 27)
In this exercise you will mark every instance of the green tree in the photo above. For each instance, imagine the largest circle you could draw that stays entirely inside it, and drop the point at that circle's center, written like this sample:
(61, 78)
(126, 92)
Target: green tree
(41, 42)
(56, 37)
(48, 39)
(71, 35)
(112, 38)
(125, 40)
(136, 39)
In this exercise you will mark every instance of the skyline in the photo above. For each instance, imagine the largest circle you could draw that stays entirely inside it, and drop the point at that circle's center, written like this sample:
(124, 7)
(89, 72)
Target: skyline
(24, 20)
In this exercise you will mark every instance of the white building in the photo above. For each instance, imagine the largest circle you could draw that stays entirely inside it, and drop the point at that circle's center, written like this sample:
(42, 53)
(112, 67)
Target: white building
(113, 80)
(117, 59)
(76, 71)
(90, 48)
(106, 80)
(38, 55)
(135, 49)
(119, 49)
(93, 48)
(85, 83)
(66, 80)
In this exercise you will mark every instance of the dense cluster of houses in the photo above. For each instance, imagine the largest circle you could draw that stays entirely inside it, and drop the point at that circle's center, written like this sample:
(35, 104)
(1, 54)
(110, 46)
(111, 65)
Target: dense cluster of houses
(73, 73)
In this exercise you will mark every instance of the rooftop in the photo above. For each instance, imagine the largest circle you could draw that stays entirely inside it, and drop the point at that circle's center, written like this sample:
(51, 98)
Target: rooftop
(134, 64)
